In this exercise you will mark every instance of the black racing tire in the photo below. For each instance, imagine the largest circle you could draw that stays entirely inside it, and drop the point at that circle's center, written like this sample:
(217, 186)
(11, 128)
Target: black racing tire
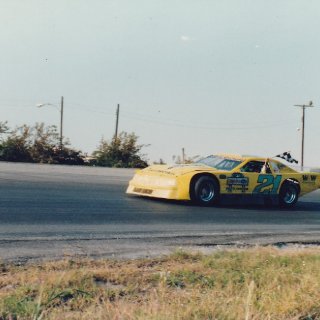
(205, 191)
(288, 195)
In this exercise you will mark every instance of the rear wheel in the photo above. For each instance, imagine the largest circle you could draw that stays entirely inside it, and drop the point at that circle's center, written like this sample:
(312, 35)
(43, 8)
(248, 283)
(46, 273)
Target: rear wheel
(288, 195)
(205, 191)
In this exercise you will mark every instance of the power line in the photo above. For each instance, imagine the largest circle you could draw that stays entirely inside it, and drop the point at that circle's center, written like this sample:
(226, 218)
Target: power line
(212, 127)
(150, 118)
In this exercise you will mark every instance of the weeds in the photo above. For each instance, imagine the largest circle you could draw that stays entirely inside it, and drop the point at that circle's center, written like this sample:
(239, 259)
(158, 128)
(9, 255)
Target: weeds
(261, 283)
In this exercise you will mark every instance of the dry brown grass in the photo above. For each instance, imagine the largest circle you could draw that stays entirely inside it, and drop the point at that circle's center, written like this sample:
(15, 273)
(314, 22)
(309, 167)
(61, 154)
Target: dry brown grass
(260, 283)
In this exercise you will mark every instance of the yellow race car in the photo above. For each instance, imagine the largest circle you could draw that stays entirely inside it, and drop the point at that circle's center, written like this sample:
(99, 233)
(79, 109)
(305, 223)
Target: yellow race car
(203, 182)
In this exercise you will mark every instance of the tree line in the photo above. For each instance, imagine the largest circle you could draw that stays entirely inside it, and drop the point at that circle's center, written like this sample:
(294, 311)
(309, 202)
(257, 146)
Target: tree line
(41, 144)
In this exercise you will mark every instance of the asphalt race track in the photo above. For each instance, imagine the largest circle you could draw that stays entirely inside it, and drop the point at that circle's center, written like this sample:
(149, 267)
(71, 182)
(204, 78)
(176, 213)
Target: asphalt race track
(49, 212)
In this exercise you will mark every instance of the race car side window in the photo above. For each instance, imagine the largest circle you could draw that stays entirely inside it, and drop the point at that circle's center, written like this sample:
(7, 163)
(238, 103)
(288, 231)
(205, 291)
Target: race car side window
(252, 166)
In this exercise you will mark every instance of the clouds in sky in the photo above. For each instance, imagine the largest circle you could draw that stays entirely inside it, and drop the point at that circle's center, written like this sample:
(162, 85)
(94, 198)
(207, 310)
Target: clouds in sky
(185, 38)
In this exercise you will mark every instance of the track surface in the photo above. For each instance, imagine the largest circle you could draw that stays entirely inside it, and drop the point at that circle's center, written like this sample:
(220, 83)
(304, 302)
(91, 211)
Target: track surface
(47, 212)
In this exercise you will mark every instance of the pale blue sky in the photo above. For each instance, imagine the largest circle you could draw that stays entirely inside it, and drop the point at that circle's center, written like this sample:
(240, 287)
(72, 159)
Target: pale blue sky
(209, 76)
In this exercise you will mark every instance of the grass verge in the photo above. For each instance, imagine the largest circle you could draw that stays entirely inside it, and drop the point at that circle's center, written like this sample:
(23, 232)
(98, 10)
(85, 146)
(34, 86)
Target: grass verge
(260, 283)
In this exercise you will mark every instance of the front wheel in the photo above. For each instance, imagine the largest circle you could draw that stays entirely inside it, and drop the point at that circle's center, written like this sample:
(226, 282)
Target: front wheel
(205, 191)
(288, 195)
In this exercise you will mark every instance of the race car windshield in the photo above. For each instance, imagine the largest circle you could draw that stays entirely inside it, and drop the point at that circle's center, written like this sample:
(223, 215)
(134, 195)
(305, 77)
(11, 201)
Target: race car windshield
(220, 163)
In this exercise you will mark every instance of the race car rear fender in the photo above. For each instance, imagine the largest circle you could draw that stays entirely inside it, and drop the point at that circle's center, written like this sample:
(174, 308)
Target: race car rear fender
(291, 180)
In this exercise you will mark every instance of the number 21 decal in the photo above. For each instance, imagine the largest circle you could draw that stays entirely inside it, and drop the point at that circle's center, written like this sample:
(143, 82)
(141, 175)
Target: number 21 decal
(267, 180)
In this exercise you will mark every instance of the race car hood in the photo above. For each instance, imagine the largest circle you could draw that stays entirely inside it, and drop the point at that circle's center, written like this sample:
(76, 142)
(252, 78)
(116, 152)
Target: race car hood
(177, 169)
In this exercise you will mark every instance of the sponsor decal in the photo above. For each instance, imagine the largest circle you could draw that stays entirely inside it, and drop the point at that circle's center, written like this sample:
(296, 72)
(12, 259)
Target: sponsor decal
(309, 179)
(267, 184)
(237, 182)
(141, 190)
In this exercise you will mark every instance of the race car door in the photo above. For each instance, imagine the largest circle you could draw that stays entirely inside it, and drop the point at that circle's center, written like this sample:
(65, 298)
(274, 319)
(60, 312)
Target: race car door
(262, 177)
(269, 180)
(255, 177)
(244, 181)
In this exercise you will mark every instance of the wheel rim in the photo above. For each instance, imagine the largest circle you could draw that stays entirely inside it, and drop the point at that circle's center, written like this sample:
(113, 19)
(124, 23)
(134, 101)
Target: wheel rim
(206, 192)
(290, 195)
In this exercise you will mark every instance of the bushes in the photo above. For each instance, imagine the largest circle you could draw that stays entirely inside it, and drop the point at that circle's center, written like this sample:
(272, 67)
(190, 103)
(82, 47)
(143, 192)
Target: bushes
(121, 152)
(41, 144)
(37, 144)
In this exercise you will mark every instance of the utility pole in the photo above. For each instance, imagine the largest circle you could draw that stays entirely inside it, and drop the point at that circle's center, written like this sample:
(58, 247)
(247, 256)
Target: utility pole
(183, 156)
(117, 121)
(303, 107)
(61, 123)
